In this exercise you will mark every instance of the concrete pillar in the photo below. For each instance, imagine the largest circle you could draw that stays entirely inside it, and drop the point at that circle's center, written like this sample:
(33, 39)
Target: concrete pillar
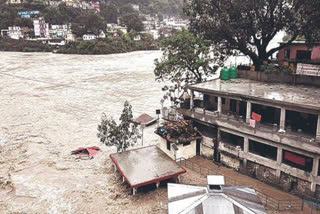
(283, 119)
(191, 100)
(245, 150)
(123, 180)
(157, 184)
(279, 161)
(114, 168)
(318, 129)
(248, 116)
(219, 104)
(315, 167)
(134, 191)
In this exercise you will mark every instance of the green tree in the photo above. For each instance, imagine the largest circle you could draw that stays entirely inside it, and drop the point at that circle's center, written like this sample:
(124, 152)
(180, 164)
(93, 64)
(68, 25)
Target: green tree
(122, 135)
(132, 21)
(186, 59)
(248, 26)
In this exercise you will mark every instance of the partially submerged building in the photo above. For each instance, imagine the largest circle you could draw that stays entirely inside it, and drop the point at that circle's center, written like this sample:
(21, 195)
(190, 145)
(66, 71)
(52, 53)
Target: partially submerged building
(179, 139)
(216, 198)
(144, 166)
(269, 131)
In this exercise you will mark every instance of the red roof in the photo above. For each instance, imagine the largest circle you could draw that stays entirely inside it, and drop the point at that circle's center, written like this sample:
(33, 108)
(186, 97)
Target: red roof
(144, 118)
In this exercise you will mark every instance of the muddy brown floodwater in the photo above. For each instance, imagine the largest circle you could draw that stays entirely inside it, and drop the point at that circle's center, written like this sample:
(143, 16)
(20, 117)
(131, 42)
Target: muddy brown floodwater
(50, 105)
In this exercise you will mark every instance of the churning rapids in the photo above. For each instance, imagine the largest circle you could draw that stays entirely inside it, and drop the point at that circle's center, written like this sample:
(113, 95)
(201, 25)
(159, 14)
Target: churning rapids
(51, 104)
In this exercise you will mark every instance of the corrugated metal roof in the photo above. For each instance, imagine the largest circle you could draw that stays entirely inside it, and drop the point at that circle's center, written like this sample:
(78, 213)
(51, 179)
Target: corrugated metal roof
(197, 200)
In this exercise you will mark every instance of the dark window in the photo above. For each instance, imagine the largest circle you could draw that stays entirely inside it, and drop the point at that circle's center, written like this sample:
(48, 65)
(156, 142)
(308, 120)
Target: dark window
(301, 122)
(168, 145)
(263, 150)
(303, 55)
(186, 143)
(298, 161)
(231, 139)
(233, 105)
(287, 54)
(223, 101)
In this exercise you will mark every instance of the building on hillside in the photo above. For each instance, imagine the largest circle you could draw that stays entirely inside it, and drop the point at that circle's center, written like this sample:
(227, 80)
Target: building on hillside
(54, 3)
(269, 131)
(102, 35)
(113, 29)
(41, 28)
(14, 1)
(13, 32)
(176, 23)
(216, 198)
(96, 6)
(88, 37)
(70, 37)
(29, 14)
(135, 7)
(59, 31)
(179, 139)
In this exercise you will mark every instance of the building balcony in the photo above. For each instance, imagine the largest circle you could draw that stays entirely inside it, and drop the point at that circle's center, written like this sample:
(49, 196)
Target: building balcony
(266, 131)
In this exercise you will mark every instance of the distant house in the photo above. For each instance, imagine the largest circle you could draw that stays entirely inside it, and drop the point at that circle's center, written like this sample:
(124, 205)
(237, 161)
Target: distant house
(137, 37)
(113, 29)
(14, 1)
(135, 7)
(59, 31)
(14, 32)
(70, 37)
(88, 37)
(299, 51)
(102, 35)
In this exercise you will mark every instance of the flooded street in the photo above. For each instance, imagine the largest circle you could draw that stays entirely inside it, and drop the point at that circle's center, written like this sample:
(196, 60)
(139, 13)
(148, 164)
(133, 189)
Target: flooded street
(50, 105)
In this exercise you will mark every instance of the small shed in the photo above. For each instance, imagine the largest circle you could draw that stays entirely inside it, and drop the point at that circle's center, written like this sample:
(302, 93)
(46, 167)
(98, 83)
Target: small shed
(147, 165)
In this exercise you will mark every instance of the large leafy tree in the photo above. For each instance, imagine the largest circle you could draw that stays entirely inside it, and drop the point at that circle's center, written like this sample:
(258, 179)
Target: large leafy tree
(122, 135)
(248, 26)
(186, 59)
(132, 21)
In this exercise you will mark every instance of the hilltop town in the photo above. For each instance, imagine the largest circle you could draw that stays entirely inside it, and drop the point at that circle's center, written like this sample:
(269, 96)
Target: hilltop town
(82, 21)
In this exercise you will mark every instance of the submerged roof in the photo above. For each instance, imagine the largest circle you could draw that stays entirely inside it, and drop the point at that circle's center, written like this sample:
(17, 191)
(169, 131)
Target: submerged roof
(197, 200)
(145, 165)
(145, 119)
(302, 96)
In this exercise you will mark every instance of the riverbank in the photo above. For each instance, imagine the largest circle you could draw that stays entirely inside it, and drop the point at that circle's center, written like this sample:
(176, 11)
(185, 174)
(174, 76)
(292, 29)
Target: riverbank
(92, 47)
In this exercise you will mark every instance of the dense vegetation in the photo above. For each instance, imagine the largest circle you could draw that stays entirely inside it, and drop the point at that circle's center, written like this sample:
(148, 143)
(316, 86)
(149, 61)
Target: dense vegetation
(249, 26)
(109, 45)
(7, 44)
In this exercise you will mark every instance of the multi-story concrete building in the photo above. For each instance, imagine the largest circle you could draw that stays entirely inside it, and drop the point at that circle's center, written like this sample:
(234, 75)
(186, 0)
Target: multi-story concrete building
(14, 32)
(41, 28)
(269, 131)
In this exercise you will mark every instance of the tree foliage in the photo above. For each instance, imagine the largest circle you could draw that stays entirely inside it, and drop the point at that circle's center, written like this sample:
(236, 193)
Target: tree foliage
(186, 59)
(122, 135)
(248, 26)
(132, 21)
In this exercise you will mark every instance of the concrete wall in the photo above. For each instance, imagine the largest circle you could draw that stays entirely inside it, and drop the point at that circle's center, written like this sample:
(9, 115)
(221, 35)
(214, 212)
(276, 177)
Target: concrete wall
(279, 78)
(230, 161)
(186, 152)
(206, 148)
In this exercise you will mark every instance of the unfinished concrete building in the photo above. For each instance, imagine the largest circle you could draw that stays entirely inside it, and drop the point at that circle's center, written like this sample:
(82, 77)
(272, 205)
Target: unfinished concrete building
(282, 149)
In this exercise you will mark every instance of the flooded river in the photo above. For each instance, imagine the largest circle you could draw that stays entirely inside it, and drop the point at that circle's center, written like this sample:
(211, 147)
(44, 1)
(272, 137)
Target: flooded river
(50, 105)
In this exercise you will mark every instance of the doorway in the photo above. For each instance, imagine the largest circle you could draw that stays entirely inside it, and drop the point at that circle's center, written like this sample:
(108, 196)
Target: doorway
(198, 147)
